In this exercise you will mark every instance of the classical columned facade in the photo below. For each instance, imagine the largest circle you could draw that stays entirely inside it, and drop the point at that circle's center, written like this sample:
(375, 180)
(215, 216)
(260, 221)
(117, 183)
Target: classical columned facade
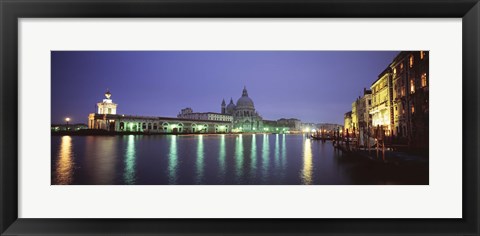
(128, 123)
(107, 119)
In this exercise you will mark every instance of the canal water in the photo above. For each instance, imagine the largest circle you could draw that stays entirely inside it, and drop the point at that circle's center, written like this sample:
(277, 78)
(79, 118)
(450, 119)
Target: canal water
(229, 159)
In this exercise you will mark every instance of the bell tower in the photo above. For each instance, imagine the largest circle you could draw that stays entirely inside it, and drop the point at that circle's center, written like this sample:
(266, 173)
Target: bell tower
(107, 106)
(223, 106)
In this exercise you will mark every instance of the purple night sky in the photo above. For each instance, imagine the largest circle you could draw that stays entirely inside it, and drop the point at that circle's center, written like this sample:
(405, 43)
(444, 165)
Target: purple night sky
(313, 86)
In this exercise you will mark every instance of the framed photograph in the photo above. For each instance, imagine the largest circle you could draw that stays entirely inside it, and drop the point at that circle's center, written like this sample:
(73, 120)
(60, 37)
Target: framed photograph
(278, 117)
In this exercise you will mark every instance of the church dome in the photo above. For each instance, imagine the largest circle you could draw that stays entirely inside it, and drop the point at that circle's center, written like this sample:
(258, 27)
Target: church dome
(230, 106)
(245, 102)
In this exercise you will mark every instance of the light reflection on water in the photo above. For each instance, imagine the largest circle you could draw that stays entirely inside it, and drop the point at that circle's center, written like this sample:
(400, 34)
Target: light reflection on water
(265, 158)
(307, 162)
(239, 157)
(200, 159)
(129, 173)
(277, 153)
(64, 167)
(210, 159)
(172, 160)
(284, 152)
(221, 159)
(253, 158)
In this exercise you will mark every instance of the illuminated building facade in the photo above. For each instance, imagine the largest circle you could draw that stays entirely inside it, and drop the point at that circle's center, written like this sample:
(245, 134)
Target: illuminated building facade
(410, 97)
(348, 121)
(398, 101)
(292, 123)
(107, 106)
(354, 114)
(107, 119)
(361, 110)
(245, 118)
(188, 113)
(381, 109)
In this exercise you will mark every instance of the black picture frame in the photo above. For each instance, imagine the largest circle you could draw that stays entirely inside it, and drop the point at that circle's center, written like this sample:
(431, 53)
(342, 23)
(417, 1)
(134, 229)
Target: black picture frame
(11, 11)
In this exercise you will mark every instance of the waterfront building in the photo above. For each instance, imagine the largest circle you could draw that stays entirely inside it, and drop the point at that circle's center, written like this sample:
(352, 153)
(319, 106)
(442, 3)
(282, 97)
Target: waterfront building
(354, 114)
(348, 121)
(245, 117)
(382, 109)
(107, 119)
(67, 127)
(293, 124)
(107, 106)
(361, 110)
(307, 127)
(273, 126)
(328, 126)
(410, 97)
(188, 113)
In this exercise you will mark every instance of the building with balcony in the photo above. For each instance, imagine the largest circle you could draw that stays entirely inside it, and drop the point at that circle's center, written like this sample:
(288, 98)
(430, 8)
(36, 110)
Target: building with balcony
(381, 109)
(410, 71)
(348, 124)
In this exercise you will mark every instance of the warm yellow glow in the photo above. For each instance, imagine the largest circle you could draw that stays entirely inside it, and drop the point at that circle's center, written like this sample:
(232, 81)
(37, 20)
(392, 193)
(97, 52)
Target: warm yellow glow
(67, 119)
(307, 163)
(424, 80)
(64, 168)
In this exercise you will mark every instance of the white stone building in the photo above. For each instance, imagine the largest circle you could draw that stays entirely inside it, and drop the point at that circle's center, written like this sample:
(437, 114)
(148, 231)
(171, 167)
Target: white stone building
(107, 119)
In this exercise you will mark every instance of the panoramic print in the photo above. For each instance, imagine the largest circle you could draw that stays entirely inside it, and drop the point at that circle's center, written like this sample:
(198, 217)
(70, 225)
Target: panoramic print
(240, 118)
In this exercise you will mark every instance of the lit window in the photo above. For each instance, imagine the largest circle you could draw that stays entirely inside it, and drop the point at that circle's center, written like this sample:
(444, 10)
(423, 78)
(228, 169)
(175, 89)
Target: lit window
(394, 71)
(413, 109)
(403, 92)
(401, 66)
(411, 61)
(424, 80)
(422, 54)
(412, 86)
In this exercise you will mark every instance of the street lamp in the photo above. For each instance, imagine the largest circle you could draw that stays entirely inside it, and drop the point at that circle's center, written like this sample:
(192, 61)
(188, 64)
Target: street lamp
(67, 120)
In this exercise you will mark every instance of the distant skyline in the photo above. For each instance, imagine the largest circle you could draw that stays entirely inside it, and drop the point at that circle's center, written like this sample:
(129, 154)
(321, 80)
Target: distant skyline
(313, 86)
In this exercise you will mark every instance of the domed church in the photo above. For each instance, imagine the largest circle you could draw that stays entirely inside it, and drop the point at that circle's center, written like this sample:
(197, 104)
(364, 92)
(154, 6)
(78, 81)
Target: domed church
(245, 118)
